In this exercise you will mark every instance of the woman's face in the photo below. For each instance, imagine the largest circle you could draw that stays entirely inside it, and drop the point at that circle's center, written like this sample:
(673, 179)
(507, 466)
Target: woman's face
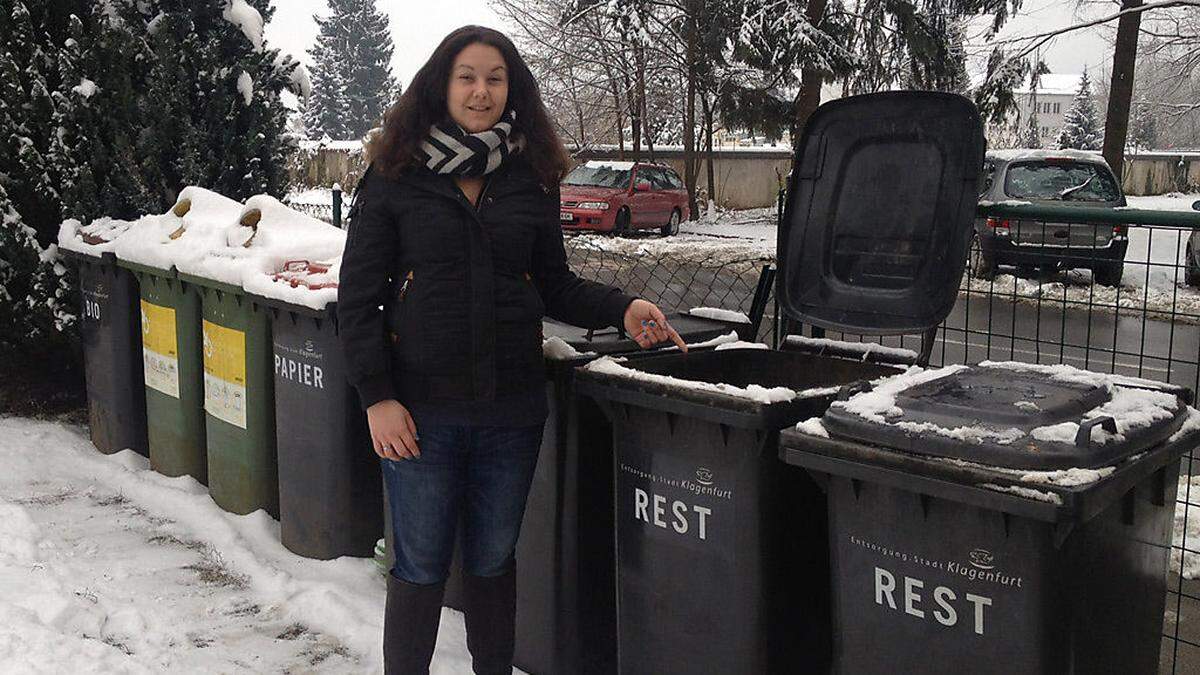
(478, 88)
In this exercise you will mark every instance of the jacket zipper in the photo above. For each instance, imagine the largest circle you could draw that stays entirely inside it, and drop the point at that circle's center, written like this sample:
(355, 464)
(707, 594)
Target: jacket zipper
(404, 286)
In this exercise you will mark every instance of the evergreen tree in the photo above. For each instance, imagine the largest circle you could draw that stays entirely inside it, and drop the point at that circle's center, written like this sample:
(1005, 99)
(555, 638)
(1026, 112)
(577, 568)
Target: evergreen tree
(352, 78)
(1032, 136)
(26, 109)
(1081, 130)
(212, 109)
(34, 290)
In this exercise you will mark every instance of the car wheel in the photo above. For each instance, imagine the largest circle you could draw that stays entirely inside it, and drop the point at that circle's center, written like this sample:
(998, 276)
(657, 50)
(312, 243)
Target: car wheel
(621, 225)
(1109, 274)
(1191, 269)
(981, 265)
(672, 226)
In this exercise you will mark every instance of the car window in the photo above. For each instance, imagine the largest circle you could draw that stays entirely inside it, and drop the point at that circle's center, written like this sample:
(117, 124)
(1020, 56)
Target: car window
(1063, 181)
(598, 175)
(647, 174)
(660, 180)
(673, 180)
(988, 177)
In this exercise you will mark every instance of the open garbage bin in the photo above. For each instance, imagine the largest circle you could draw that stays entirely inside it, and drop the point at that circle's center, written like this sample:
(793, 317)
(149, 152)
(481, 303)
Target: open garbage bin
(566, 594)
(721, 554)
(1000, 518)
(330, 488)
(112, 353)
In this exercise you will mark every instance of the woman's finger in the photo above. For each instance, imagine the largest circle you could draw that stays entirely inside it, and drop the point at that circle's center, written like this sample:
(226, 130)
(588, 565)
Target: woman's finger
(407, 445)
(411, 426)
(677, 339)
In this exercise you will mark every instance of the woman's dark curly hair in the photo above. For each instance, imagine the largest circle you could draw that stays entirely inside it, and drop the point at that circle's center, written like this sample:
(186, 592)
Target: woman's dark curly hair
(423, 104)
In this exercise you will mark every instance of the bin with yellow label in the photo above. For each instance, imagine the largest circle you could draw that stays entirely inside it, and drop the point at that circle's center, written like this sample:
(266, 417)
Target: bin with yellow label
(239, 413)
(173, 370)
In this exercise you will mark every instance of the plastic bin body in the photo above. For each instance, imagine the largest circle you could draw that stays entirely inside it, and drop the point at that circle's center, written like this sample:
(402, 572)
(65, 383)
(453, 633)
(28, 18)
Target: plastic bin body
(112, 354)
(238, 399)
(721, 557)
(330, 487)
(173, 369)
(932, 573)
(566, 588)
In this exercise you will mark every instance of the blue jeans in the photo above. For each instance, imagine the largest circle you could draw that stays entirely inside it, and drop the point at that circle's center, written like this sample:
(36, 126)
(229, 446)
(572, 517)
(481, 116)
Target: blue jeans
(479, 474)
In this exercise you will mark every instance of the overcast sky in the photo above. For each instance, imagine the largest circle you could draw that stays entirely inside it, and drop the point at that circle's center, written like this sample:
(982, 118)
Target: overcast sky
(418, 26)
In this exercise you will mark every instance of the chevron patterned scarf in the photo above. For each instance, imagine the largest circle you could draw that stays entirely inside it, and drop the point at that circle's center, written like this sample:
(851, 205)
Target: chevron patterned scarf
(451, 150)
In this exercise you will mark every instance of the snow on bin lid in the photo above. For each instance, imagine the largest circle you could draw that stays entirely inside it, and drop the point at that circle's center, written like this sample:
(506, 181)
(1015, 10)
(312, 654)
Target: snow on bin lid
(879, 212)
(1013, 415)
(187, 230)
(260, 240)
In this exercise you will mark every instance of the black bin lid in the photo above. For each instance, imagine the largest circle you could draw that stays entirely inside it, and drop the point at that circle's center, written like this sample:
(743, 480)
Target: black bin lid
(1016, 417)
(605, 341)
(879, 212)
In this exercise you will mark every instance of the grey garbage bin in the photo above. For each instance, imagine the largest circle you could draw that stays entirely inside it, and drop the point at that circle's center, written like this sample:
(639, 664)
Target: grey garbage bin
(721, 547)
(566, 614)
(1002, 518)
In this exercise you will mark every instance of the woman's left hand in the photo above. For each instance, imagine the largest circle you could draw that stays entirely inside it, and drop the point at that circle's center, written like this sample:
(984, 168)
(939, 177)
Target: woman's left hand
(645, 323)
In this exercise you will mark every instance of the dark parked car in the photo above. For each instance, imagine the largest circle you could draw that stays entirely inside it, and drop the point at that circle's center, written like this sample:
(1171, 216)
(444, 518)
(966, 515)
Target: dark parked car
(1191, 265)
(620, 197)
(1049, 177)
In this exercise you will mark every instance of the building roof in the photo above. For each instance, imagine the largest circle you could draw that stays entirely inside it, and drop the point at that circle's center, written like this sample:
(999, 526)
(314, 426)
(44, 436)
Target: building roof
(1055, 83)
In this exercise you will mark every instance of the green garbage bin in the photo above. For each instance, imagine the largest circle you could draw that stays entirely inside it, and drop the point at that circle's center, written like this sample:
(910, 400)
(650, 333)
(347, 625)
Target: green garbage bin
(239, 410)
(111, 342)
(173, 370)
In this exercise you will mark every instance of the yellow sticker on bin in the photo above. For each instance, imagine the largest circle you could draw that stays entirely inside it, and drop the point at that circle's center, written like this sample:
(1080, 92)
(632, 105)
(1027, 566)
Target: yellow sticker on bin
(160, 356)
(225, 373)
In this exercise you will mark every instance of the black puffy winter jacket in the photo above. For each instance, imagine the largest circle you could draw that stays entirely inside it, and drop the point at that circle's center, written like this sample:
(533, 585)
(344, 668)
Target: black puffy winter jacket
(462, 288)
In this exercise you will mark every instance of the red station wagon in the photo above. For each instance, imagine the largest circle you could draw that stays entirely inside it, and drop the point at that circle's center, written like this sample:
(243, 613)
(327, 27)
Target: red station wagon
(621, 197)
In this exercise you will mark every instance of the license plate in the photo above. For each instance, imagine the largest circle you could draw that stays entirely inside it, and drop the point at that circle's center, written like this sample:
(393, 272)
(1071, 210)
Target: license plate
(566, 216)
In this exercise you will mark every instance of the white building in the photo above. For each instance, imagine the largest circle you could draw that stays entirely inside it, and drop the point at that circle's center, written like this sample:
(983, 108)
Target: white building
(1053, 99)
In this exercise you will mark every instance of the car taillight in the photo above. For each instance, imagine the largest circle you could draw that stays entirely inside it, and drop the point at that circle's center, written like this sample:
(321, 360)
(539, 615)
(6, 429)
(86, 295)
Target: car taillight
(1120, 230)
(999, 223)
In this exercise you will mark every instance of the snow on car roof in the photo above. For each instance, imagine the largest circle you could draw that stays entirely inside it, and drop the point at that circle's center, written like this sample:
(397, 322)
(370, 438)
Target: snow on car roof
(1043, 153)
(602, 164)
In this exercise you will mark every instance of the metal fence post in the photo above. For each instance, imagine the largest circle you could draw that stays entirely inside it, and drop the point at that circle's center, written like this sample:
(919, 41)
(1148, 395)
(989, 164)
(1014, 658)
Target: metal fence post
(337, 205)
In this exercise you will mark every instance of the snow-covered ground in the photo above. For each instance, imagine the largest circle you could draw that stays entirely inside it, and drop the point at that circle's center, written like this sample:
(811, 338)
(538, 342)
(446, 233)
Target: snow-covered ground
(107, 567)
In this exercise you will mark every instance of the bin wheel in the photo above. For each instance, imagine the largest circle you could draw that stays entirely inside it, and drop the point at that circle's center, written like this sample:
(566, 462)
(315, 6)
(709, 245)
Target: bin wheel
(1109, 274)
(981, 265)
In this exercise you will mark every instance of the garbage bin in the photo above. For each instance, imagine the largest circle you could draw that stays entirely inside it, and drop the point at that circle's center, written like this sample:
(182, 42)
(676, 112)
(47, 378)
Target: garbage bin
(330, 488)
(109, 330)
(566, 620)
(172, 357)
(1001, 518)
(721, 553)
(173, 368)
(239, 410)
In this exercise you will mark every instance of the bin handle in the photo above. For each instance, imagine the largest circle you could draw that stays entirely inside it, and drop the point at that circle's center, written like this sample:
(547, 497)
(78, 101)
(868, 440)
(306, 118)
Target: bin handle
(1083, 438)
(853, 389)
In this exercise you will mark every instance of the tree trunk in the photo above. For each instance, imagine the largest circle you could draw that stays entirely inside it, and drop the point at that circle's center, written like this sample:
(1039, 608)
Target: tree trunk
(689, 117)
(1120, 90)
(635, 115)
(708, 150)
(809, 97)
(617, 109)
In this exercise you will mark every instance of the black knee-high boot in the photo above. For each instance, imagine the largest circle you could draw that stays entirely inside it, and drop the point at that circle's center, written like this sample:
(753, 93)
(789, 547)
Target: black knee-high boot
(490, 608)
(410, 626)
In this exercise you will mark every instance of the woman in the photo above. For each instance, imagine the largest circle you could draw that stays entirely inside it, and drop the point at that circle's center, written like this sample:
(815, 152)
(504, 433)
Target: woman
(454, 255)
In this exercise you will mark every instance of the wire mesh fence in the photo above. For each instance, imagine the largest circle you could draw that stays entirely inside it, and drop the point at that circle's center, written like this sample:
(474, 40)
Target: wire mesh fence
(1035, 297)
